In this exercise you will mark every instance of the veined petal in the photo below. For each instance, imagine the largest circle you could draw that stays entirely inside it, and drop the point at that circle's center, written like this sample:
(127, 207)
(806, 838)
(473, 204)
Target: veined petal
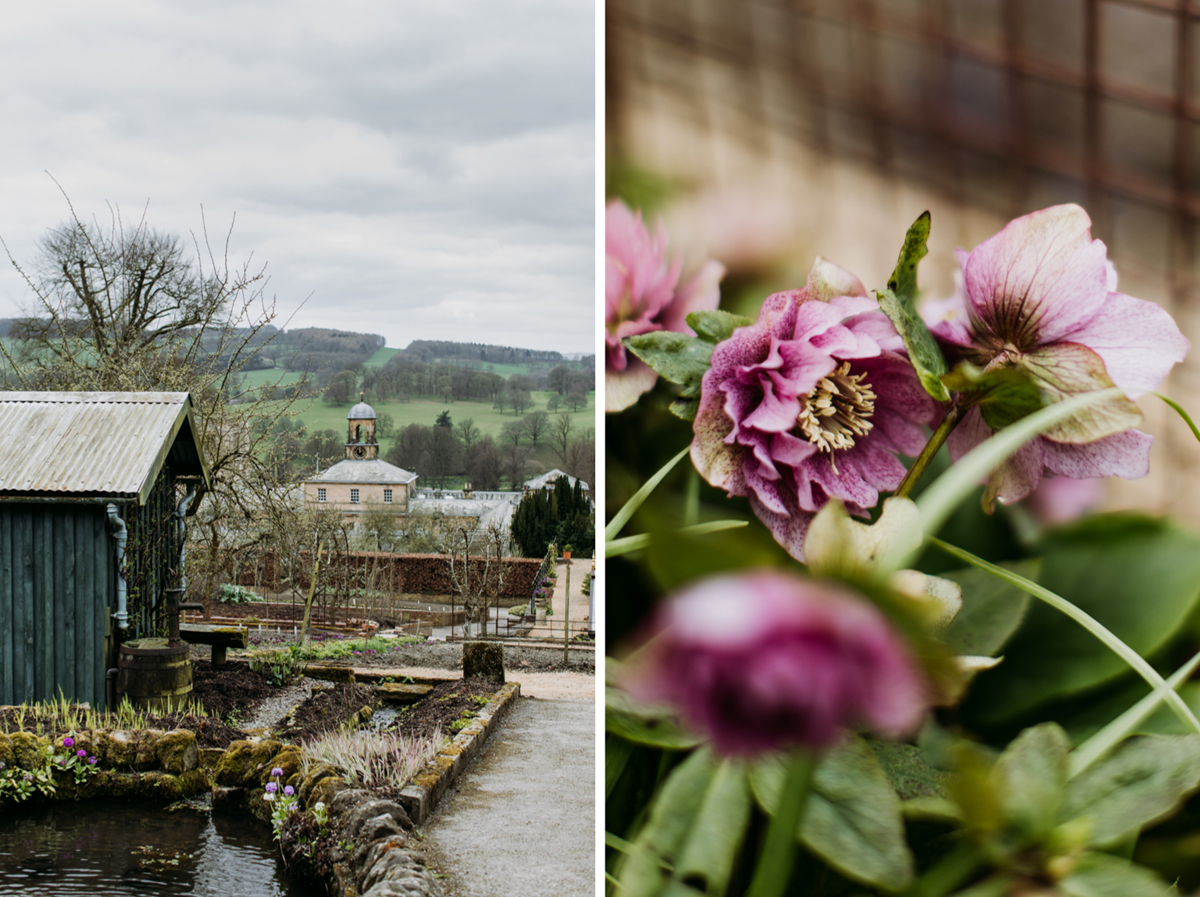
(1125, 455)
(827, 281)
(1016, 477)
(701, 293)
(623, 388)
(1138, 341)
(1070, 369)
(1039, 278)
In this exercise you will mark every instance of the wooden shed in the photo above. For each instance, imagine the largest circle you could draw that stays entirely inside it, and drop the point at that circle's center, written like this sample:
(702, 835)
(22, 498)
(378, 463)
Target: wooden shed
(93, 491)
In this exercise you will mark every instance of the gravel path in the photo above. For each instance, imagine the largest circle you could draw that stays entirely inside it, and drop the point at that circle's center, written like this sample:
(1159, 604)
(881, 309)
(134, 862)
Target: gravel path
(521, 822)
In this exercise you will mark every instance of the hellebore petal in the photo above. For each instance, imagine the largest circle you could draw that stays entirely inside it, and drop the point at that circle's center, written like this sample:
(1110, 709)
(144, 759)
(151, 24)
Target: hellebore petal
(1041, 298)
(641, 296)
(1037, 279)
(765, 660)
(809, 403)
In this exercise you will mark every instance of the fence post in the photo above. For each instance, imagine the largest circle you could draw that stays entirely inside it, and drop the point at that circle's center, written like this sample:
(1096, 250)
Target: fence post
(567, 616)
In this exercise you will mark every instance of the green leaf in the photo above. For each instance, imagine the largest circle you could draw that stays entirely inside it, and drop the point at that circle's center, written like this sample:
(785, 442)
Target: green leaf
(853, 820)
(650, 726)
(991, 609)
(694, 831)
(1101, 875)
(1004, 395)
(903, 281)
(716, 326)
(1145, 780)
(630, 507)
(646, 870)
(677, 357)
(907, 771)
(1138, 577)
(923, 351)
(707, 859)
(1031, 774)
(617, 752)
(899, 303)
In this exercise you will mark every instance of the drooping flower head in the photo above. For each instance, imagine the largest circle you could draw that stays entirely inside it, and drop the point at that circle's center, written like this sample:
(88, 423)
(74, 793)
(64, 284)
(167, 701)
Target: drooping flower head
(766, 660)
(810, 403)
(642, 294)
(1041, 296)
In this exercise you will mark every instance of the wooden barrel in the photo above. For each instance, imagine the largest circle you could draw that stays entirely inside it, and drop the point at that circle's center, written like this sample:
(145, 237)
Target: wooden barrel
(153, 674)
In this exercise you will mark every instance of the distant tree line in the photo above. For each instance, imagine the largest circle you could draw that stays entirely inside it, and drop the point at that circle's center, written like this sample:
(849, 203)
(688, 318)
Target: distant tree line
(448, 351)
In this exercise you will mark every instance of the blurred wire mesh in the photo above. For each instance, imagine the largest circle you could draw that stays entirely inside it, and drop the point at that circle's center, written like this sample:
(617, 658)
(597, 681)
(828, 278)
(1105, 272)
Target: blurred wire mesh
(826, 126)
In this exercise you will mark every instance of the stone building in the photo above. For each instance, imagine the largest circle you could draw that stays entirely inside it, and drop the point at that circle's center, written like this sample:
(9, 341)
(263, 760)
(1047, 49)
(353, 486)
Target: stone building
(362, 480)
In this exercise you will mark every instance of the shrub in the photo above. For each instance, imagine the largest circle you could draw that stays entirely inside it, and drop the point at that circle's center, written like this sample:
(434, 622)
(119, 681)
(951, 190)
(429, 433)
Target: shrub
(235, 594)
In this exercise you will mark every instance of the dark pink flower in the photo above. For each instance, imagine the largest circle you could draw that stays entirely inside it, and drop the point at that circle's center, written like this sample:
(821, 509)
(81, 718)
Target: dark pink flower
(1041, 296)
(766, 660)
(642, 295)
(812, 402)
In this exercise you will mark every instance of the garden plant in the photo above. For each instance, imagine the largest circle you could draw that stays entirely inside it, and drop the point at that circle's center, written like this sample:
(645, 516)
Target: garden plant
(864, 640)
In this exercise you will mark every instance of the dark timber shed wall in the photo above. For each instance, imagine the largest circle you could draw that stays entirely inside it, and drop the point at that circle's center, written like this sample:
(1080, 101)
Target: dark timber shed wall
(57, 592)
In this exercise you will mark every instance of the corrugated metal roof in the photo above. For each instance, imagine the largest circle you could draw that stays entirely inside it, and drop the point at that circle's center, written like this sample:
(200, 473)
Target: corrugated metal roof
(93, 443)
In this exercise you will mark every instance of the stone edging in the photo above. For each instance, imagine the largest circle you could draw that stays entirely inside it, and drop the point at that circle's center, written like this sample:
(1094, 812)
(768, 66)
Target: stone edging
(381, 863)
(426, 788)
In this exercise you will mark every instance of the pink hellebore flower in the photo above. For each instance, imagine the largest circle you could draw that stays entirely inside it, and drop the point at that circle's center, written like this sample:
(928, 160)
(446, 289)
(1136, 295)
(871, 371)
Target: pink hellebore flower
(766, 660)
(1041, 295)
(642, 295)
(810, 403)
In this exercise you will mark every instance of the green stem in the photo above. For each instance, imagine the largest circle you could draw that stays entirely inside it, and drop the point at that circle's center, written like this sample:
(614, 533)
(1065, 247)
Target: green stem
(779, 851)
(947, 873)
(622, 516)
(1087, 621)
(1107, 738)
(936, 441)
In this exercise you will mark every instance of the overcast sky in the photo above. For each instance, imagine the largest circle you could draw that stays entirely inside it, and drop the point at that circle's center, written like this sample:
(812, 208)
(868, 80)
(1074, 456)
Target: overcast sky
(422, 170)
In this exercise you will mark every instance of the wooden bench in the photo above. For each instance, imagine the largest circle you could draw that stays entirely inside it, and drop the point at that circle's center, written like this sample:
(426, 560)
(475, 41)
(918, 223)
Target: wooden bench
(221, 638)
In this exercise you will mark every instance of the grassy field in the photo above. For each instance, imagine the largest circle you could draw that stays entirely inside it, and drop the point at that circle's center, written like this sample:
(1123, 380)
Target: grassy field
(320, 416)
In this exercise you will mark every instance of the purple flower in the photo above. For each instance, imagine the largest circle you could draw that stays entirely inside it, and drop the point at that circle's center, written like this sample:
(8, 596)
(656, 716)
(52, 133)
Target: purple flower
(642, 295)
(1042, 297)
(812, 402)
(277, 771)
(272, 787)
(92, 761)
(765, 660)
(68, 741)
(289, 790)
(81, 753)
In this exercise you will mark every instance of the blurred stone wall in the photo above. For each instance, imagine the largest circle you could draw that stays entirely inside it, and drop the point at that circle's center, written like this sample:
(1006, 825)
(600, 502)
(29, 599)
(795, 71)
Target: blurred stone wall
(788, 130)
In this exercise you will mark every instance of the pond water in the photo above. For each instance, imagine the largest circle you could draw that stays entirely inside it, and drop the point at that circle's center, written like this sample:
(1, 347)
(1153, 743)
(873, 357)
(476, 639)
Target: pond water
(132, 847)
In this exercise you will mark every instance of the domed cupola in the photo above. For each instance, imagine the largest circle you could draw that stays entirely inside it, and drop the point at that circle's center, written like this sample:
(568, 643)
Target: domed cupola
(360, 436)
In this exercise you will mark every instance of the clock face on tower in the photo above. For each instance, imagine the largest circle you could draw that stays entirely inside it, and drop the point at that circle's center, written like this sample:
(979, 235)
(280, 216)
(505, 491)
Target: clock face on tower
(360, 451)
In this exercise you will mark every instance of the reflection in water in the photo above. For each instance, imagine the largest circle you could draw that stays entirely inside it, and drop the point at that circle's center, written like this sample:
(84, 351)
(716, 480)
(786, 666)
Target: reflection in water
(93, 848)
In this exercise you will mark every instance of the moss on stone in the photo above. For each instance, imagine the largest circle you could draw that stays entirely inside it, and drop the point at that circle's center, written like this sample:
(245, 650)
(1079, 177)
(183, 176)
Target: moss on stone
(146, 748)
(25, 748)
(177, 751)
(311, 780)
(289, 760)
(235, 765)
(6, 750)
(485, 660)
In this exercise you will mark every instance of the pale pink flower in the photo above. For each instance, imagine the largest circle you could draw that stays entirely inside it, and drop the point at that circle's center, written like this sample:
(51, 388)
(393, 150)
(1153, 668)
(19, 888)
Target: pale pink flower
(642, 295)
(812, 402)
(1042, 296)
(767, 660)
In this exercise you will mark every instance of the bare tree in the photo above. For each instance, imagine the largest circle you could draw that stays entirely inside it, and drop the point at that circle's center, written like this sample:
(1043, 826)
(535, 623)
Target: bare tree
(560, 438)
(119, 307)
(467, 432)
(537, 423)
(477, 574)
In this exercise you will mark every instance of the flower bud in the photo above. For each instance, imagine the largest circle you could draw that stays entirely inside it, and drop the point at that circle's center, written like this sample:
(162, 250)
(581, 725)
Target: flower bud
(765, 660)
